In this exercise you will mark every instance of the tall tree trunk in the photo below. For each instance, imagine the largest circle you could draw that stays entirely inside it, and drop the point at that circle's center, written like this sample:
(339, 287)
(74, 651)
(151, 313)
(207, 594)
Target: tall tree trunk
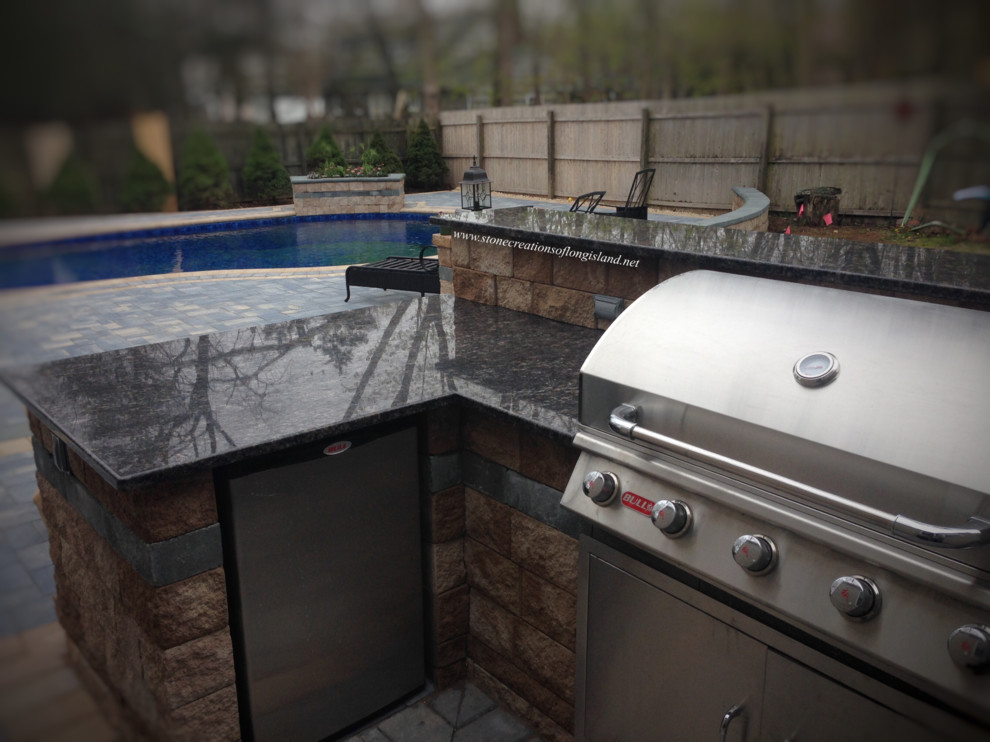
(384, 50)
(428, 58)
(584, 35)
(508, 36)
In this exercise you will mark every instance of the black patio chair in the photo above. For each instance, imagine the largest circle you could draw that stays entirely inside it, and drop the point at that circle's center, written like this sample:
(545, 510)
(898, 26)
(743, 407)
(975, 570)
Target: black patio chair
(587, 202)
(635, 207)
(397, 273)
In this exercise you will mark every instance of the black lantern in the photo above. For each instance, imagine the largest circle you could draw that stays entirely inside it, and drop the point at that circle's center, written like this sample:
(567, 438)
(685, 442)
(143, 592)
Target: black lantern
(476, 189)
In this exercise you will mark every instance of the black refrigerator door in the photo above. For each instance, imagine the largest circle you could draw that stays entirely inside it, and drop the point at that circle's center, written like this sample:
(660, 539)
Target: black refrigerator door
(323, 559)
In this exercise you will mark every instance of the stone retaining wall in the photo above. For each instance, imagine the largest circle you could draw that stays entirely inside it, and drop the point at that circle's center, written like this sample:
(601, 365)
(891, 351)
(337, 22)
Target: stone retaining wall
(559, 288)
(500, 582)
(312, 196)
(157, 659)
(504, 556)
(564, 288)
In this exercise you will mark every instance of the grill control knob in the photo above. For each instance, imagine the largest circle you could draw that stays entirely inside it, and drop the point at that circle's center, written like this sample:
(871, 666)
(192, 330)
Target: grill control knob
(672, 517)
(969, 646)
(600, 486)
(855, 597)
(756, 554)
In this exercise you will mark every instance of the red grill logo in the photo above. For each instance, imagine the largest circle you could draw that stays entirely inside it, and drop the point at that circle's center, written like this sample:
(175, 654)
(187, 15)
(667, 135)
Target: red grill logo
(634, 502)
(334, 448)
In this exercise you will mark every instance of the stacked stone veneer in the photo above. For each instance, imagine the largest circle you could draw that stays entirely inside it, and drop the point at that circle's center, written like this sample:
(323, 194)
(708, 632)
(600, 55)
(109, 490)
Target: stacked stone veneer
(500, 582)
(504, 563)
(312, 196)
(158, 660)
(560, 288)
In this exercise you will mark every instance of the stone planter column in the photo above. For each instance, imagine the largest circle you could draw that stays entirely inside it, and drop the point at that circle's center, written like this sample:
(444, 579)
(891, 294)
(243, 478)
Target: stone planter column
(317, 196)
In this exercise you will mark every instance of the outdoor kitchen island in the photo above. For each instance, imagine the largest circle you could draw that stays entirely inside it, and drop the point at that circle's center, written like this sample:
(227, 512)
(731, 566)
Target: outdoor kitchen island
(130, 497)
(137, 539)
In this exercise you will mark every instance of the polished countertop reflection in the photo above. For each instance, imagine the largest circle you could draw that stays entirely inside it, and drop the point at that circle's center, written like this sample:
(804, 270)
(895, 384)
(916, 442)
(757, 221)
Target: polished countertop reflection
(931, 273)
(155, 412)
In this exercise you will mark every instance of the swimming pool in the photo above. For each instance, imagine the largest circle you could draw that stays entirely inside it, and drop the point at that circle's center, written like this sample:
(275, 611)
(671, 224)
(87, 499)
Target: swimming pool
(291, 242)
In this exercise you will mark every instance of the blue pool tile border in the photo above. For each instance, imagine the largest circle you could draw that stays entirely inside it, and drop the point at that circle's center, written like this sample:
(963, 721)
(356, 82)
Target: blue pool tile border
(226, 226)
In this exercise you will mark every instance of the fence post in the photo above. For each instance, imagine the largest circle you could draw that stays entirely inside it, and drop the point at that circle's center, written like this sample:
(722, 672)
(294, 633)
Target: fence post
(551, 185)
(644, 139)
(479, 141)
(761, 173)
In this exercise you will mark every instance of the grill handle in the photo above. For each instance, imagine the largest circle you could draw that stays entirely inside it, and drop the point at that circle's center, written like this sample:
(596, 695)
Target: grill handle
(624, 421)
(723, 728)
(945, 537)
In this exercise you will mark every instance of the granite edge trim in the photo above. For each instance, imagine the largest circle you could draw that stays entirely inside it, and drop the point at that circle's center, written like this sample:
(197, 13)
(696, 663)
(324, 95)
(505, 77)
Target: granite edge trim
(160, 563)
(134, 482)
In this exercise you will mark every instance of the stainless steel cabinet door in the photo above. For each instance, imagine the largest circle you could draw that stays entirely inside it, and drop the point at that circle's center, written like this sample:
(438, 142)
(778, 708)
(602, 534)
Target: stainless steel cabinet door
(802, 706)
(660, 670)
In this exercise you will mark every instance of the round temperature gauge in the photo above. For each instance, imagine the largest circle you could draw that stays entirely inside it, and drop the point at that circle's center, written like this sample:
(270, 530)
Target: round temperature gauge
(816, 369)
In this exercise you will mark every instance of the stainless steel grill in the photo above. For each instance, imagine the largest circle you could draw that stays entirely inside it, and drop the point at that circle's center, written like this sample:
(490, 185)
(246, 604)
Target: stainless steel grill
(807, 469)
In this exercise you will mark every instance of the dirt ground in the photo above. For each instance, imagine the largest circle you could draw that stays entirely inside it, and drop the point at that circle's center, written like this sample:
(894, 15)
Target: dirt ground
(889, 232)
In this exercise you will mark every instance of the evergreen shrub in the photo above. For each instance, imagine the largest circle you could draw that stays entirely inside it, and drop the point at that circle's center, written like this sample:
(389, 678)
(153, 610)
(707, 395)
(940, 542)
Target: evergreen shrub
(390, 161)
(145, 188)
(75, 189)
(265, 178)
(425, 168)
(9, 206)
(204, 178)
(324, 150)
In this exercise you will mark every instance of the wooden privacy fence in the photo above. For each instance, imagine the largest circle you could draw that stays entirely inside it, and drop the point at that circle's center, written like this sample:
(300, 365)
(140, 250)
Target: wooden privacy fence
(867, 140)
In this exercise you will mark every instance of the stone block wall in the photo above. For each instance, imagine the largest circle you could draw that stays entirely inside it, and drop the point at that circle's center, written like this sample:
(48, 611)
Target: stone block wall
(157, 659)
(564, 288)
(348, 195)
(500, 582)
(505, 615)
(447, 598)
(559, 288)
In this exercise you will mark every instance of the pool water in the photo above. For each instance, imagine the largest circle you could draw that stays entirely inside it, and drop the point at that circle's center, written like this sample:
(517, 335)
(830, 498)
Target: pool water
(289, 244)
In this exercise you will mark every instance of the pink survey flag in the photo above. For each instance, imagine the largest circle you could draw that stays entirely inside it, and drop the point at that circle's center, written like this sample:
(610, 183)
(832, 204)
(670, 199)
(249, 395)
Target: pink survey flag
(828, 219)
(801, 210)
(787, 231)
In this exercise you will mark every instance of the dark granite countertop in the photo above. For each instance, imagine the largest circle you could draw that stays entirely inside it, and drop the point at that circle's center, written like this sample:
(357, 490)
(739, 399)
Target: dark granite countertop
(156, 412)
(935, 274)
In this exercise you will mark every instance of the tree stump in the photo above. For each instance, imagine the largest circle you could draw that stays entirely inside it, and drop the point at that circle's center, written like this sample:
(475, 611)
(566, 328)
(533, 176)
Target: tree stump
(820, 205)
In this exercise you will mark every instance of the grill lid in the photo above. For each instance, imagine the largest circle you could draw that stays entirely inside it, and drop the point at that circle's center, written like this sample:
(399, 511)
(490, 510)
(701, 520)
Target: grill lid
(879, 401)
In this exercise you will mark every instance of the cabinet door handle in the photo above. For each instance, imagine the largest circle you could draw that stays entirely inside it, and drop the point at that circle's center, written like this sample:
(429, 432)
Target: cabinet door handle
(731, 714)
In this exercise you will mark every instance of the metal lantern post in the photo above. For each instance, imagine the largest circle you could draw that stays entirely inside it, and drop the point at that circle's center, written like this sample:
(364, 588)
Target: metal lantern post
(476, 188)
